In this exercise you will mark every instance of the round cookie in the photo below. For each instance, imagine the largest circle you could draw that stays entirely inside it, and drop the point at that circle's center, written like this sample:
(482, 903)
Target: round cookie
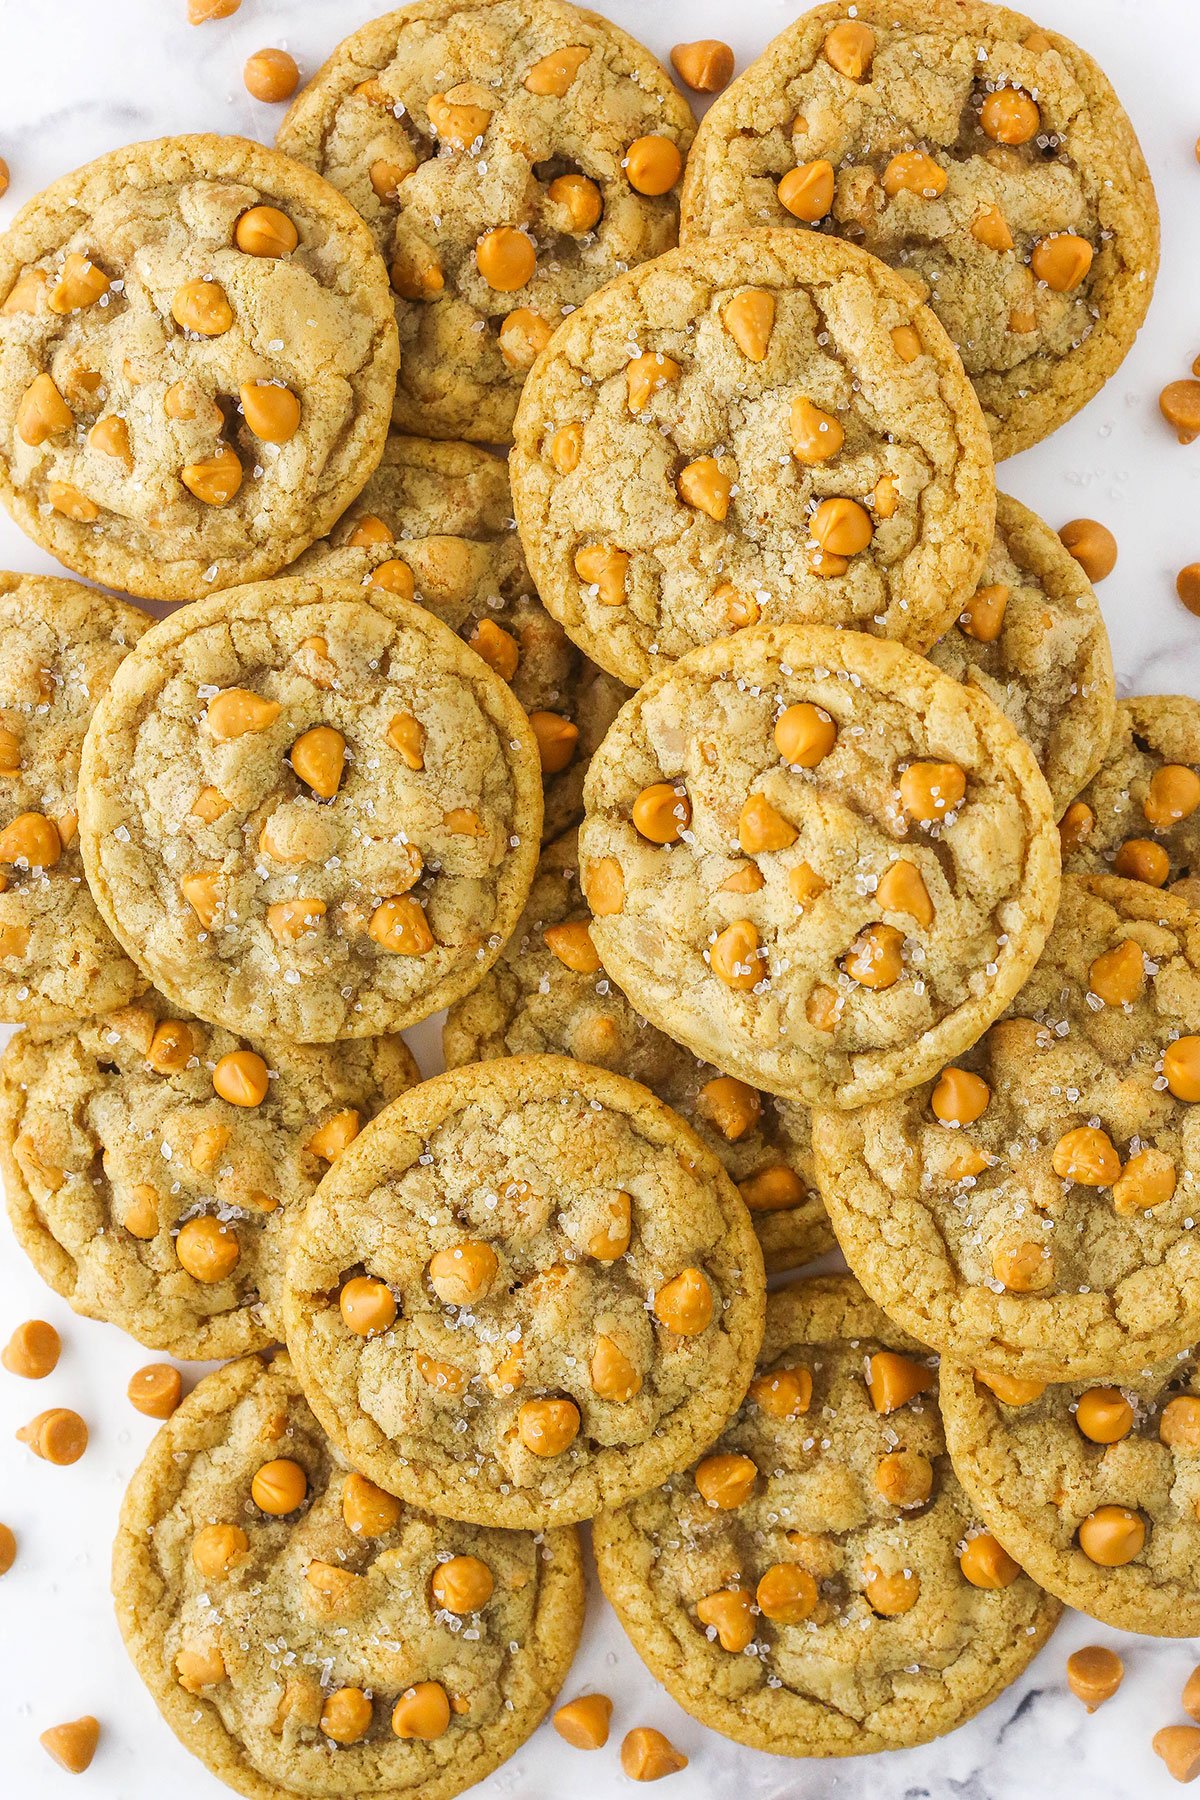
(528, 1291)
(60, 645)
(1032, 1208)
(304, 1634)
(769, 426)
(198, 361)
(509, 156)
(1033, 639)
(817, 861)
(1138, 815)
(817, 1585)
(435, 523)
(989, 161)
(149, 1184)
(549, 992)
(1093, 1488)
(308, 810)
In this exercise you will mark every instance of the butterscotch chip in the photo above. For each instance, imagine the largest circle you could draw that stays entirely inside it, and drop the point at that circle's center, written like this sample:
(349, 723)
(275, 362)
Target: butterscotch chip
(1092, 545)
(72, 1745)
(647, 1755)
(1094, 1674)
(1179, 1748)
(208, 263)
(1143, 824)
(1187, 586)
(271, 75)
(8, 1549)
(705, 65)
(32, 1351)
(490, 1198)
(698, 492)
(156, 1390)
(882, 1568)
(366, 1606)
(993, 165)
(57, 1436)
(584, 1722)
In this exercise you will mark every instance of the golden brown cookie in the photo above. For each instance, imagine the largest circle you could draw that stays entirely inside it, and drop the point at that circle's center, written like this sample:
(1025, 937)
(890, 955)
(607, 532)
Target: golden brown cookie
(817, 861)
(308, 810)
(304, 1633)
(528, 1291)
(987, 160)
(509, 156)
(817, 1585)
(766, 427)
(1138, 816)
(1032, 1208)
(198, 357)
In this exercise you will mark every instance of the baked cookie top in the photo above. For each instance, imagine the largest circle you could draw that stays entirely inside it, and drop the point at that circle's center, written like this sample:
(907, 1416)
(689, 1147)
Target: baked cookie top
(509, 157)
(435, 523)
(528, 1292)
(1032, 1208)
(1033, 638)
(826, 1516)
(768, 426)
(817, 861)
(303, 1632)
(987, 160)
(150, 1164)
(308, 810)
(198, 356)
(1138, 816)
(549, 993)
(60, 645)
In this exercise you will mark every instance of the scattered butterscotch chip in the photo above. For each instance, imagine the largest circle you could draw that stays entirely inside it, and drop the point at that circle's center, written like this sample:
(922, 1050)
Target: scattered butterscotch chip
(585, 1722)
(156, 1390)
(58, 1436)
(1179, 404)
(199, 12)
(646, 1755)
(1191, 1695)
(1187, 586)
(1092, 545)
(1094, 1674)
(73, 1745)
(3, 176)
(271, 75)
(8, 1549)
(705, 66)
(32, 1350)
(1179, 1747)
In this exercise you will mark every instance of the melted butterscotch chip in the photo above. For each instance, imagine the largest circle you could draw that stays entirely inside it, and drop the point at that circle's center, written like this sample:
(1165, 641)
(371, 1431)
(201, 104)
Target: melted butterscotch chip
(1145, 797)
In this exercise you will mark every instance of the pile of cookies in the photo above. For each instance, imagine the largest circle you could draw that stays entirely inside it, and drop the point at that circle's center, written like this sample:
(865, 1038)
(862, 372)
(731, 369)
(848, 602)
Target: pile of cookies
(715, 759)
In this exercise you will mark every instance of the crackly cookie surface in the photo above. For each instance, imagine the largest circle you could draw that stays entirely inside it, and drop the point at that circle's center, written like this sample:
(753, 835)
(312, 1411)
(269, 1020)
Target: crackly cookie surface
(529, 1291)
(1033, 1208)
(988, 160)
(818, 1585)
(151, 1161)
(198, 355)
(308, 809)
(509, 156)
(549, 993)
(1033, 639)
(766, 427)
(60, 645)
(304, 1633)
(817, 861)
(1095, 1488)
(1138, 816)
(435, 523)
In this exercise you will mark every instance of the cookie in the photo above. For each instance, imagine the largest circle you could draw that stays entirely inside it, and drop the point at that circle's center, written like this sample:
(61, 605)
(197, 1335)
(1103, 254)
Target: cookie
(528, 1291)
(60, 645)
(308, 810)
(817, 861)
(435, 522)
(766, 427)
(818, 1585)
(549, 992)
(989, 161)
(1094, 1489)
(1033, 1208)
(1138, 816)
(509, 156)
(198, 359)
(303, 1633)
(1033, 639)
(151, 1163)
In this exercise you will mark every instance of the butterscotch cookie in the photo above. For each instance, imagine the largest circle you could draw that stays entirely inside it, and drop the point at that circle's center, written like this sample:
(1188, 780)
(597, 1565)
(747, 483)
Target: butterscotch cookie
(766, 427)
(1138, 816)
(1094, 1488)
(1032, 1209)
(1032, 637)
(308, 810)
(509, 156)
(817, 861)
(198, 357)
(528, 1291)
(989, 161)
(817, 1585)
(549, 993)
(435, 523)
(304, 1633)
(60, 645)
(150, 1164)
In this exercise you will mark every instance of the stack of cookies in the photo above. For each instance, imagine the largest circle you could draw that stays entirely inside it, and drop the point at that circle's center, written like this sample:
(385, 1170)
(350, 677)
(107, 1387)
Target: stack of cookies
(724, 802)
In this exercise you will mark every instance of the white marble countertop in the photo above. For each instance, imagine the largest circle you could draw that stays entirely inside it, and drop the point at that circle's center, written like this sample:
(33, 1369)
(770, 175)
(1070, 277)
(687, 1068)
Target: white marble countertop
(78, 78)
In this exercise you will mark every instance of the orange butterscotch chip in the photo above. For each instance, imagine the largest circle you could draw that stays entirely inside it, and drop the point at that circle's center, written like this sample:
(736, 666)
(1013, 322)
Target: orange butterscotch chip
(991, 229)
(902, 890)
(890, 1593)
(288, 920)
(506, 258)
(685, 1304)
(80, 283)
(279, 1487)
(728, 1613)
(1104, 1415)
(904, 1477)
(557, 741)
(784, 1393)
(571, 943)
(931, 790)
(209, 805)
(823, 1008)
(906, 342)
(346, 1715)
(73, 1744)
(58, 1436)
(367, 1307)
(774, 1189)
(523, 336)
(1011, 1389)
(462, 1584)
(874, 959)
(1179, 1424)
(1092, 545)
(33, 1350)
(841, 527)
(1022, 1265)
(580, 199)
(416, 276)
(736, 957)
(959, 1097)
(604, 887)
(399, 926)
(207, 1248)
(761, 828)
(662, 812)
(318, 757)
(242, 1078)
(369, 529)
(1094, 1674)
(462, 1273)
(746, 879)
(553, 74)
(1181, 1067)
(458, 121)
(367, 1510)
(653, 165)
(1061, 261)
(1009, 116)
(215, 1548)
(202, 307)
(645, 375)
(704, 485)
(807, 190)
(498, 648)
(566, 447)
(786, 1594)
(270, 75)
(271, 411)
(422, 1711)
(406, 736)
(849, 48)
(72, 504)
(237, 711)
(25, 293)
(749, 318)
(1179, 1748)
(1179, 404)
(32, 841)
(913, 172)
(646, 1755)
(1112, 1536)
(155, 1390)
(986, 1564)
(199, 1666)
(140, 1216)
(612, 1241)
(804, 735)
(1086, 1155)
(726, 1481)
(584, 1723)
(1173, 795)
(741, 609)
(704, 66)
(42, 412)
(1118, 975)
(605, 568)
(613, 1375)
(983, 616)
(1146, 1181)
(816, 435)
(731, 1105)
(265, 231)
(893, 1380)
(548, 1427)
